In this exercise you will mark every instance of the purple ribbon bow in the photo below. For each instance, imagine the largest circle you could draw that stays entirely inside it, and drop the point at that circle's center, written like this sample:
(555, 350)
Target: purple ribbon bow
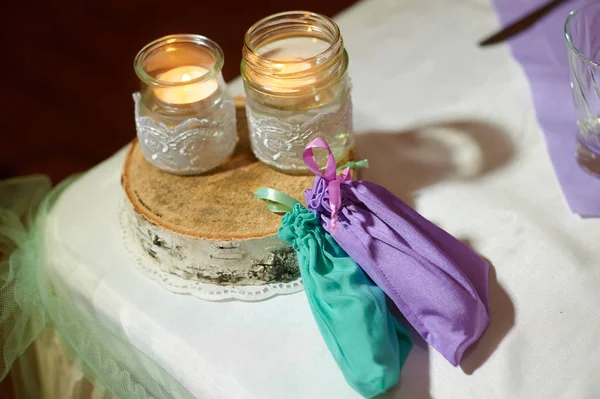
(334, 180)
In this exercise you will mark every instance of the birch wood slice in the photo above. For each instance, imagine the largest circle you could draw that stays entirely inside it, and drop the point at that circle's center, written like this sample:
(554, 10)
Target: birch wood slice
(211, 228)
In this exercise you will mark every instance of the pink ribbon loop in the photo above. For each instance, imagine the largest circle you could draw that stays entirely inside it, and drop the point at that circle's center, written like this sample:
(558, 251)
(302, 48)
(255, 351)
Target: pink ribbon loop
(334, 181)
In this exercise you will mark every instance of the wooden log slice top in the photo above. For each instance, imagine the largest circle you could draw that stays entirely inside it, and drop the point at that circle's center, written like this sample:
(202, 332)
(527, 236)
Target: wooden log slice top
(218, 205)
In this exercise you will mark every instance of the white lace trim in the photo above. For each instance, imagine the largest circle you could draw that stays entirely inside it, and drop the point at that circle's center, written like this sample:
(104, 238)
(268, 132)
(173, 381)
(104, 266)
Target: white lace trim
(205, 291)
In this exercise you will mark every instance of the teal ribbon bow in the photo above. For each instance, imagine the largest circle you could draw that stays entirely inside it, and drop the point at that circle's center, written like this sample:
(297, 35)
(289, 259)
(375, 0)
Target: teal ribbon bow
(363, 163)
(277, 202)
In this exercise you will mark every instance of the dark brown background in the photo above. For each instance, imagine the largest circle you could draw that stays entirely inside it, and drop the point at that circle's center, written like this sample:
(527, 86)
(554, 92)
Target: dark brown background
(66, 72)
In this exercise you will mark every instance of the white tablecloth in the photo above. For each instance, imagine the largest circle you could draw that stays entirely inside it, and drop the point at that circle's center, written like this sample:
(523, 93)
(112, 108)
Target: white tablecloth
(450, 128)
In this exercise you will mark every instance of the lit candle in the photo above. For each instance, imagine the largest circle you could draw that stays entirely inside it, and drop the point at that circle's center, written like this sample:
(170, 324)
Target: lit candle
(290, 66)
(290, 52)
(185, 94)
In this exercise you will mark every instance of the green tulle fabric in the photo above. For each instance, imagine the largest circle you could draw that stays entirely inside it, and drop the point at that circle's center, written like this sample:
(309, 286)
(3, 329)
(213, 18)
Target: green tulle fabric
(367, 342)
(30, 299)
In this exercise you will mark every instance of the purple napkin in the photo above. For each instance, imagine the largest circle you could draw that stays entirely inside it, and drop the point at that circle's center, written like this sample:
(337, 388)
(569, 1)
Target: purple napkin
(542, 52)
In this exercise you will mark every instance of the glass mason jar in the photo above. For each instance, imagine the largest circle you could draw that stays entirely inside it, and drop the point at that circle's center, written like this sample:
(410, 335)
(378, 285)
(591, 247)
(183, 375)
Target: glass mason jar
(184, 113)
(295, 72)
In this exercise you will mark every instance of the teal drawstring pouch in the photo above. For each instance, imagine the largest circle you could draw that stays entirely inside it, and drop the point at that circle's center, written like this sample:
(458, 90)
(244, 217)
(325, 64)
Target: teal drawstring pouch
(368, 344)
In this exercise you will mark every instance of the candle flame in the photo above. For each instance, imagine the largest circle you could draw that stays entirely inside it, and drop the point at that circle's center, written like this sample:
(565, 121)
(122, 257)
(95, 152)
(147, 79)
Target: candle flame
(185, 77)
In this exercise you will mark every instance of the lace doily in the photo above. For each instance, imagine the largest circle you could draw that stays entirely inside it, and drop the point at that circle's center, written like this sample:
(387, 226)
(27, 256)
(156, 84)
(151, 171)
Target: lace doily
(208, 292)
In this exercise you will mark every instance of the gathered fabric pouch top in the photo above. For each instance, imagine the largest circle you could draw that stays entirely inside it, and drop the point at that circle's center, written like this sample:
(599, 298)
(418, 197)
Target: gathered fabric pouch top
(438, 283)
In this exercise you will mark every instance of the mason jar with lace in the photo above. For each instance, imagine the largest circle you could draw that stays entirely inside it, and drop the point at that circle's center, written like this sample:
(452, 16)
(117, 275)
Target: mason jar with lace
(184, 113)
(295, 72)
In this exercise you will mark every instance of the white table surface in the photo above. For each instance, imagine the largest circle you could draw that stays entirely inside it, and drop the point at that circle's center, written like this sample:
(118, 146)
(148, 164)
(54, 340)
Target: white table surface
(450, 128)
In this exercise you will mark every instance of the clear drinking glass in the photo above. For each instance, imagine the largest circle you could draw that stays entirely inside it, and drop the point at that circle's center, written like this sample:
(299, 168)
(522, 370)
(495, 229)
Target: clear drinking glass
(583, 43)
(295, 71)
(184, 113)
